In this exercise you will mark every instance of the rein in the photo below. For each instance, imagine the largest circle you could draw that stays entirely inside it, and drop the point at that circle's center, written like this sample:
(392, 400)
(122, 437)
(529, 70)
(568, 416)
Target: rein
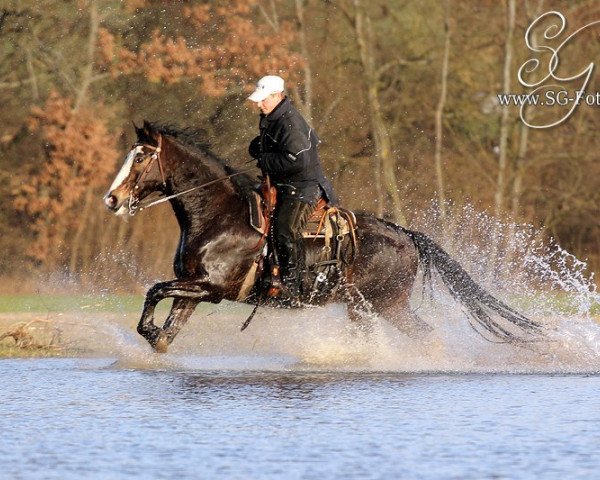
(135, 204)
(175, 195)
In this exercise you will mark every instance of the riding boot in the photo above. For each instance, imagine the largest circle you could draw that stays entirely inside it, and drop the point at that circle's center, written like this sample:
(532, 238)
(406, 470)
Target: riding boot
(291, 219)
(292, 272)
(290, 289)
(291, 281)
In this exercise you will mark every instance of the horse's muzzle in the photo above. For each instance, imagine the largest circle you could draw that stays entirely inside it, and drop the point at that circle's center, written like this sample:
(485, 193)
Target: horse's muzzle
(110, 201)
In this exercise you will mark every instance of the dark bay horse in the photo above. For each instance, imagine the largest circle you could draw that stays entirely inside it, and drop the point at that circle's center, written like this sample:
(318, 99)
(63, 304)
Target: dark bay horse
(217, 245)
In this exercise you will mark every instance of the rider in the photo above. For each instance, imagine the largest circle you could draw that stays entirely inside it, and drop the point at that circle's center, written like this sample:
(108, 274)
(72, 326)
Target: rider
(286, 150)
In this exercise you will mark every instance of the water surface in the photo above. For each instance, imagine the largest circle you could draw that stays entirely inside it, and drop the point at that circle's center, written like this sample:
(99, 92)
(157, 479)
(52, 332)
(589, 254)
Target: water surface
(94, 418)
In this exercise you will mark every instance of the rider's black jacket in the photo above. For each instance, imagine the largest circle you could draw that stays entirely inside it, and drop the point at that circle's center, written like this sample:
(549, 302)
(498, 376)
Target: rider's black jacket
(286, 150)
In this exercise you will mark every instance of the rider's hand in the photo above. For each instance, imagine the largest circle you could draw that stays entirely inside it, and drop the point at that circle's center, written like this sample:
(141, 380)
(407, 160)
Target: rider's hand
(254, 149)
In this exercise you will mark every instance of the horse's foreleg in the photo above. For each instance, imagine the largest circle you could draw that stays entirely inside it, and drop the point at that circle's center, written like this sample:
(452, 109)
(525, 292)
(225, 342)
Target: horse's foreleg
(181, 311)
(146, 327)
(186, 294)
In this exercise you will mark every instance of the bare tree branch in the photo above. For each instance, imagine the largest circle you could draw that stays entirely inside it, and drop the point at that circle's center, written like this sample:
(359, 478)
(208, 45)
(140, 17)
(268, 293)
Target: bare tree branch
(32, 76)
(272, 21)
(15, 84)
(89, 68)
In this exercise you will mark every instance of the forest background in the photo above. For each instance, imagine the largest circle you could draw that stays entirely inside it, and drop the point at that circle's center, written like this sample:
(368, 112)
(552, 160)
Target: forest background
(403, 94)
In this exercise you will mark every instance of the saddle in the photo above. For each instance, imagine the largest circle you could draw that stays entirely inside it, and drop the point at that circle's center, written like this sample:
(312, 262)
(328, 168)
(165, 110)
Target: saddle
(334, 228)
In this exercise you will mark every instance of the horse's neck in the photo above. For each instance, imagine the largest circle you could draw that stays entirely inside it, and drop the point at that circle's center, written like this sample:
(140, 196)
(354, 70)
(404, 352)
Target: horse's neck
(199, 208)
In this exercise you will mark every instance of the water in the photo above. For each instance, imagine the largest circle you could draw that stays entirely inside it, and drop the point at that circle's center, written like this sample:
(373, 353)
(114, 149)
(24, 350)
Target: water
(92, 418)
(302, 395)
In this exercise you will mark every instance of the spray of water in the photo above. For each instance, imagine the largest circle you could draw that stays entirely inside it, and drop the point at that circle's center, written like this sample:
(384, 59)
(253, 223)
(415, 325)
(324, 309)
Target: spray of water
(511, 261)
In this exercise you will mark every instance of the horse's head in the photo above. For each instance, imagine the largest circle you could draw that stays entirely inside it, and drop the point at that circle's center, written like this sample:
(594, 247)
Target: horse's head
(141, 174)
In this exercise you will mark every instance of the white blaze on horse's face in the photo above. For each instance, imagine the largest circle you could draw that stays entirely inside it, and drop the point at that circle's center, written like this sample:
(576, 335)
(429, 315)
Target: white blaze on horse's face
(111, 199)
(126, 168)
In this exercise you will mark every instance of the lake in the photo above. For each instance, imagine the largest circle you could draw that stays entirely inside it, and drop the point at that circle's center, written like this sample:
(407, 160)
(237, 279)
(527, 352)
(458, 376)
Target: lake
(96, 418)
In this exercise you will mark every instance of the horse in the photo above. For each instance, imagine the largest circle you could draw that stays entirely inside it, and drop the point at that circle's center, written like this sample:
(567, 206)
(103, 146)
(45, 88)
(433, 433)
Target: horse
(217, 246)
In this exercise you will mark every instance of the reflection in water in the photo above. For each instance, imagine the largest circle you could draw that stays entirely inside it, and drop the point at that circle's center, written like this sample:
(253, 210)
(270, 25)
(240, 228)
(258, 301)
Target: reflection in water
(299, 387)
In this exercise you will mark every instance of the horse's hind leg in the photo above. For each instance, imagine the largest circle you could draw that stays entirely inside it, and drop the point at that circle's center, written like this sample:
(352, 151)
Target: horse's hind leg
(360, 311)
(400, 315)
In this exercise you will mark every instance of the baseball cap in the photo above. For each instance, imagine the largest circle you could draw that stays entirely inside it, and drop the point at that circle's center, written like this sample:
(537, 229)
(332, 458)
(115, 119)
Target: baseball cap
(266, 86)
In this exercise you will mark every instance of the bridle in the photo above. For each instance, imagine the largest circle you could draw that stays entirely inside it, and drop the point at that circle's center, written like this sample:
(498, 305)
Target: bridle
(154, 156)
(135, 204)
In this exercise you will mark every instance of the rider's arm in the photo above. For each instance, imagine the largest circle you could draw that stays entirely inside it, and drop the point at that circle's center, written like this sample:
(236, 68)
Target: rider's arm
(290, 154)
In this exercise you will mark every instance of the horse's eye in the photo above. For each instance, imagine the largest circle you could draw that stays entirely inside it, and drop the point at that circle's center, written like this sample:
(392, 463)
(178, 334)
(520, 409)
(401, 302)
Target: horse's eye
(139, 159)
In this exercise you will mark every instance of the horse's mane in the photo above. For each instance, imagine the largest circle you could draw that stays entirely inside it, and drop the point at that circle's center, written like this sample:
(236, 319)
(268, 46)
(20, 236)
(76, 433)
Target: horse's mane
(195, 140)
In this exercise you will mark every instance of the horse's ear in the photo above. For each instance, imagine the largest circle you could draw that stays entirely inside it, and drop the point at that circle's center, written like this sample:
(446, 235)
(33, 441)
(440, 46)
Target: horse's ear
(148, 132)
(138, 130)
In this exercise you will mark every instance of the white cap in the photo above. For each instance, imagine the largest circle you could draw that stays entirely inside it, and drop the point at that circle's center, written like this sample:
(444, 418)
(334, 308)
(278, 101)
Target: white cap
(266, 86)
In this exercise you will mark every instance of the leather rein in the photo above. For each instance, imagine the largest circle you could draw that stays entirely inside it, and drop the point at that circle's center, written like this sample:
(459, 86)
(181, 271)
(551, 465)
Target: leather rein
(135, 204)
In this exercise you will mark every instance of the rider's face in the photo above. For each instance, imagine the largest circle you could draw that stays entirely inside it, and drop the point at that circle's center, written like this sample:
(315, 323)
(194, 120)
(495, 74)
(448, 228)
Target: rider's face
(268, 104)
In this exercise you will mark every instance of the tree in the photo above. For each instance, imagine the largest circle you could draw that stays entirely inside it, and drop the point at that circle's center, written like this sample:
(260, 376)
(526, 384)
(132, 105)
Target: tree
(439, 112)
(499, 198)
(79, 157)
(385, 163)
(231, 48)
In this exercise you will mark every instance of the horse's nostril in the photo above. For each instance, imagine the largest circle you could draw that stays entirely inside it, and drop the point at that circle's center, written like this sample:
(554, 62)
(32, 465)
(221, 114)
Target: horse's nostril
(110, 201)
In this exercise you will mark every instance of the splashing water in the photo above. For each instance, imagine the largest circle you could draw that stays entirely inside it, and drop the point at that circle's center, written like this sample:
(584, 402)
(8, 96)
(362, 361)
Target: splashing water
(541, 279)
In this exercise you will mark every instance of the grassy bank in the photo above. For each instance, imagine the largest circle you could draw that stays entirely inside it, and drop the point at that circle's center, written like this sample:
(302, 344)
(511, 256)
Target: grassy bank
(70, 303)
(72, 325)
(30, 320)
(11, 351)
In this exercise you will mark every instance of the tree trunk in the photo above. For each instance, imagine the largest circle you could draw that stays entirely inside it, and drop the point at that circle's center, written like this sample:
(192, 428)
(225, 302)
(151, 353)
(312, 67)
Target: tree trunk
(499, 199)
(86, 79)
(499, 196)
(439, 116)
(385, 163)
(520, 165)
(306, 104)
(83, 221)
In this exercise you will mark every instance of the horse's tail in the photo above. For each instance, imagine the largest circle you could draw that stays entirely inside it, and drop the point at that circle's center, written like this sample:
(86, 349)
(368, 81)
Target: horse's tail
(481, 306)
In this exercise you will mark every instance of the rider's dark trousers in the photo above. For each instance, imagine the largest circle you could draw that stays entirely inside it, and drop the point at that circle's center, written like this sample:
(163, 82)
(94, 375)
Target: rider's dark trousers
(291, 217)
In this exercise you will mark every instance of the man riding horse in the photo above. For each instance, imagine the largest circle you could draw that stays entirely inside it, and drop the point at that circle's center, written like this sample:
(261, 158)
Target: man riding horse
(218, 243)
(286, 150)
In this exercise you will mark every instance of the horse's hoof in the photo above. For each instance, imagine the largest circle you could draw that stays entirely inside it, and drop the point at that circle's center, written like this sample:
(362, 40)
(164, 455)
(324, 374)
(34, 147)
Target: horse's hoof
(162, 344)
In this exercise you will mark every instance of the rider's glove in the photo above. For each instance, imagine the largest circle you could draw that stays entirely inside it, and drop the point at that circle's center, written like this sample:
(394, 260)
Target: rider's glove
(254, 149)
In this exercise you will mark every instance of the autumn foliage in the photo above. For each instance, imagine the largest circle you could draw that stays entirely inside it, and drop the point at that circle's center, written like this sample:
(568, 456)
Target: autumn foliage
(368, 75)
(80, 156)
(232, 49)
